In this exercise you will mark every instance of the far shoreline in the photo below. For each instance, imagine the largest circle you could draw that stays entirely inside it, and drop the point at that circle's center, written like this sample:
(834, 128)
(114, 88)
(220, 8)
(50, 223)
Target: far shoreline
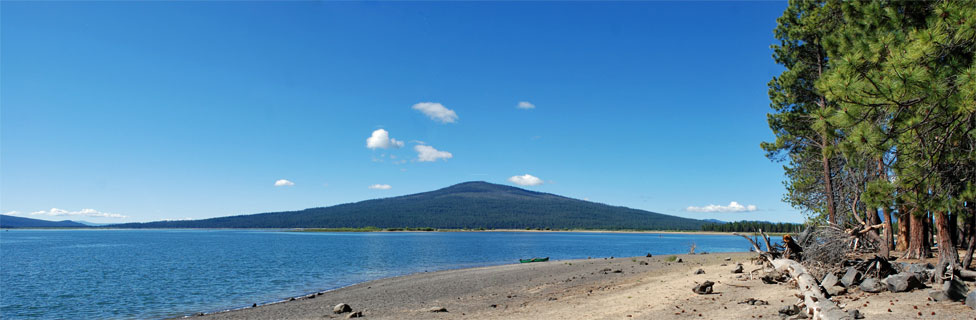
(412, 230)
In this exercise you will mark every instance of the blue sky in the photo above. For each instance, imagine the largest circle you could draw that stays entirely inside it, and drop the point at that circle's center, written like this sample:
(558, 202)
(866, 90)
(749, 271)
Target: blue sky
(171, 110)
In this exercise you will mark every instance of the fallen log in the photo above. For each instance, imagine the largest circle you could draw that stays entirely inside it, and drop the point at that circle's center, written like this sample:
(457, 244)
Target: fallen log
(817, 304)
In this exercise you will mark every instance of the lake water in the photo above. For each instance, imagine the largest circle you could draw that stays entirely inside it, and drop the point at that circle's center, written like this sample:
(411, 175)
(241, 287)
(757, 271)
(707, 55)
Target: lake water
(127, 274)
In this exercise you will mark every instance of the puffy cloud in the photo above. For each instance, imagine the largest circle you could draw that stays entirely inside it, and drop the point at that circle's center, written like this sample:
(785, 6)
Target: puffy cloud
(380, 139)
(525, 105)
(732, 207)
(380, 187)
(283, 183)
(525, 180)
(11, 213)
(429, 154)
(82, 212)
(436, 111)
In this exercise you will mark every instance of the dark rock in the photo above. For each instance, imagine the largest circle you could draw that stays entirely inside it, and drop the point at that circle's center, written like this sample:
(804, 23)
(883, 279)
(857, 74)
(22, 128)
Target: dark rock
(754, 302)
(649, 255)
(643, 263)
(855, 314)
(971, 299)
(357, 314)
(738, 268)
(851, 277)
(829, 280)
(903, 282)
(700, 271)
(872, 285)
(836, 290)
(728, 258)
(704, 288)
(342, 308)
(789, 310)
(437, 309)
(311, 296)
(921, 271)
(955, 289)
(618, 271)
(679, 260)
(254, 305)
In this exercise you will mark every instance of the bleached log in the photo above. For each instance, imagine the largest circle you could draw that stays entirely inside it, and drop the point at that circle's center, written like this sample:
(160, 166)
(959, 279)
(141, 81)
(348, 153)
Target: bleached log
(817, 304)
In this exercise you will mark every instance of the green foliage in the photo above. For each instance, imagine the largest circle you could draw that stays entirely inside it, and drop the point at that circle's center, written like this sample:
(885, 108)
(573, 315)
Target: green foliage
(754, 226)
(671, 259)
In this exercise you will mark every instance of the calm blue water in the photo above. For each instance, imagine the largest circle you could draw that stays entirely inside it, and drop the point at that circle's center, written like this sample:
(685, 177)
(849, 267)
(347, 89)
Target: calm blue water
(125, 274)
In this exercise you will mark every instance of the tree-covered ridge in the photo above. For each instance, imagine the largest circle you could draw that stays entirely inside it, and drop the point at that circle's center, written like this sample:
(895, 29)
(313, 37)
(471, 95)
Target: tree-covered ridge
(754, 226)
(875, 119)
(7, 221)
(470, 205)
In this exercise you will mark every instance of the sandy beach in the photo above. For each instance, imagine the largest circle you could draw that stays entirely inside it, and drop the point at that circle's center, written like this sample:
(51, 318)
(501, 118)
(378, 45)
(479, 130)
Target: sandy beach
(598, 288)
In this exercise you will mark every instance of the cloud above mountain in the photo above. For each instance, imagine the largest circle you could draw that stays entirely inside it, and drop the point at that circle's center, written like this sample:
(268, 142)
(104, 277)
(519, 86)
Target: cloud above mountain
(380, 139)
(83, 213)
(430, 154)
(437, 112)
(732, 207)
(525, 180)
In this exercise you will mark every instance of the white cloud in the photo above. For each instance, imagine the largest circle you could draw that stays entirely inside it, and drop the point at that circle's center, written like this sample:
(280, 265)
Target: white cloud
(436, 111)
(380, 187)
(283, 183)
(525, 180)
(732, 207)
(11, 213)
(380, 139)
(525, 105)
(429, 154)
(82, 212)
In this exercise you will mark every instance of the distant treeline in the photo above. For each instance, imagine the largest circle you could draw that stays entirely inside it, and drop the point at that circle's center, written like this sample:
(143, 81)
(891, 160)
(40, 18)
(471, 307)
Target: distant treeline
(753, 226)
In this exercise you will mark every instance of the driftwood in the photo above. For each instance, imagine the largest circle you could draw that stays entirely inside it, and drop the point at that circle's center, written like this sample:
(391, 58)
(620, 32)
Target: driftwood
(817, 304)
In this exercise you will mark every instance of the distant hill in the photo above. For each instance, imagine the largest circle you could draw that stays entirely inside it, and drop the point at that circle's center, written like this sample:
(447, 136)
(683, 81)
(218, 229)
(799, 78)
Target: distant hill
(468, 205)
(713, 221)
(20, 222)
(90, 224)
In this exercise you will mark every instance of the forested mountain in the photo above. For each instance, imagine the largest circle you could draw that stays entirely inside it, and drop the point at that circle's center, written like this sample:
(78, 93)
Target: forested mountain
(469, 205)
(19, 222)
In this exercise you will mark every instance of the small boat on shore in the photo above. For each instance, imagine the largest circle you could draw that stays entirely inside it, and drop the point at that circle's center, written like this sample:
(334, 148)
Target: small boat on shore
(534, 260)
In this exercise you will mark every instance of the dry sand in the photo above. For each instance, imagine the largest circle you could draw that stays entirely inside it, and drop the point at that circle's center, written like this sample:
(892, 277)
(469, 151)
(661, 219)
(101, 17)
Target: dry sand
(587, 289)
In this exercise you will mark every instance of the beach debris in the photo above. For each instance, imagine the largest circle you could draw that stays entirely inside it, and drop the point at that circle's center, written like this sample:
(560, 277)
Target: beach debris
(703, 288)
(872, 285)
(679, 260)
(700, 271)
(437, 309)
(971, 299)
(829, 280)
(342, 308)
(618, 271)
(357, 314)
(200, 314)
(754, 302)
(649, 255)
(855, 314)
(738, 268)
(774, 277)
(835, 290)
(728, 258)
(903, 282)
(789, 310)
(952, 290)
(552, 299)
(311, 296)
(851, 277)
(643, 263)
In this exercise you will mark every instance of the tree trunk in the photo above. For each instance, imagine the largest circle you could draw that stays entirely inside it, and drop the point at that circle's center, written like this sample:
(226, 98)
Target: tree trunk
(971, 229)
(947, 249)
(828, 185)
(918, 245)
(904, 218)
(888, 234)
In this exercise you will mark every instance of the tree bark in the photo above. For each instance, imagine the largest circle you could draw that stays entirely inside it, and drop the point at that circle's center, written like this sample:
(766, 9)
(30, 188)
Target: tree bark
(971, 229)
(904, 218)
(947, 248)
(828, 186)
(889, 237)
(918, 246)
